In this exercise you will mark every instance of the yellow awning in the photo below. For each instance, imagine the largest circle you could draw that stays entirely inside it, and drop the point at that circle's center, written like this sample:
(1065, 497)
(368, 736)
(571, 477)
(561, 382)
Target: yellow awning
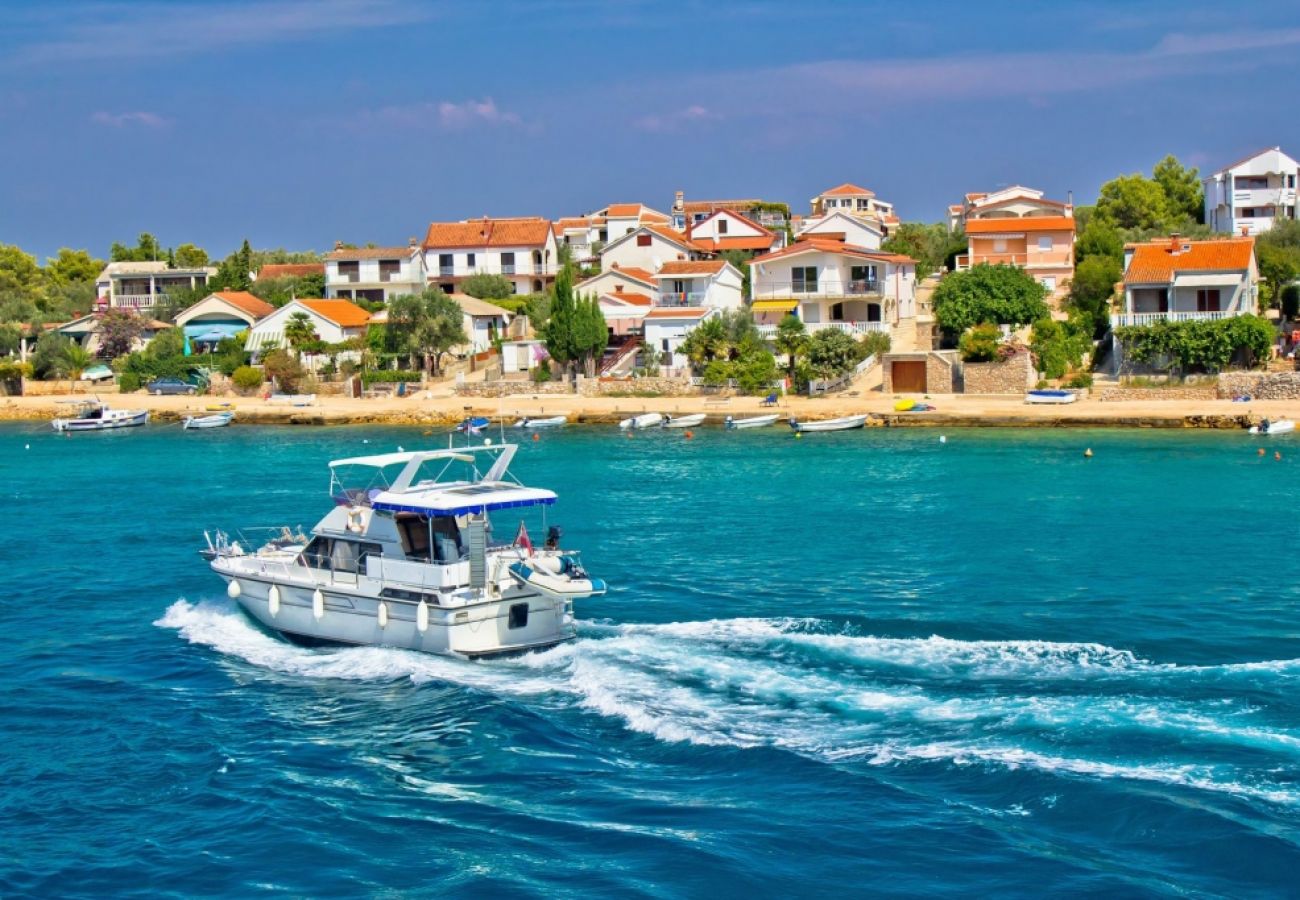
(775, 305)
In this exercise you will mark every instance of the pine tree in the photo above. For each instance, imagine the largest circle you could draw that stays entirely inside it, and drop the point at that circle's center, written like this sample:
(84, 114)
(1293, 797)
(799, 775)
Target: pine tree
(560, 329)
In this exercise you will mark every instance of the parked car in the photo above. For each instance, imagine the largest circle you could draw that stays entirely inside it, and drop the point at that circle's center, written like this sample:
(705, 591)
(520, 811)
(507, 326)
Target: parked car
(170, 386)
(98, 373)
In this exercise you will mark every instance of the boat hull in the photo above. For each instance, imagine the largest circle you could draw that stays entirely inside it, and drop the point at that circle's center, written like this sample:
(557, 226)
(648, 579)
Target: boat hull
(685, 421)
(1050, 397)
(754, 421)
(1285, 426)
(552, 422)
(220, 420)
(848, 423)
(132, 421)
(647, 420)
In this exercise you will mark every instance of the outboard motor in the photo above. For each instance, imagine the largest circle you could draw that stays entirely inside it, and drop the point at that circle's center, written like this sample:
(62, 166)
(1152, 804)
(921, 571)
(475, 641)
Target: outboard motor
(553, 535)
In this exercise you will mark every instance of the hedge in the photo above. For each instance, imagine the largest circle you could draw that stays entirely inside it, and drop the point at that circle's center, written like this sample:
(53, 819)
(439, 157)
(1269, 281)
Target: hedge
(389, 376)
(1208, 345)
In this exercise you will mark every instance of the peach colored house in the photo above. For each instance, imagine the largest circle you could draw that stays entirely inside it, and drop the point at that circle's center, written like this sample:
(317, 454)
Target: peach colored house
(1017, 226)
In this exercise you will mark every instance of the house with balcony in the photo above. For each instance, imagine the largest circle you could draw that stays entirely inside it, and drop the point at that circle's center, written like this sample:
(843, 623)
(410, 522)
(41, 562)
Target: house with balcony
(586, 235)
(648, 247)
(220, 315)
(1018, 226)
(856, 231)
(143, 286)
(1248, 196)
(666, 328)
(625, 311)
(620, 278)
(830, 284)
(272, 271)
(855, 201)
(774, 216)
(712, 283)
(1176, 279)
(377, 274)
(335, 321)
(523, 250)
(729, 230)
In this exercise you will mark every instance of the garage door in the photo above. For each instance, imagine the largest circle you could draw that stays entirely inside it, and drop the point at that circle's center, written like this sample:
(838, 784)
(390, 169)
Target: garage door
(909, 376)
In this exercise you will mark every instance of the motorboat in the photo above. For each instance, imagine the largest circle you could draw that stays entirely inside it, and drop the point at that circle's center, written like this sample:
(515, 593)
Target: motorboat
(95, 415)
(1050, 396)
(1280, 426)
(216, 420)
(752, 421)
(684, 421)
(410, 561)
(549, 422)
(473, 424)
(844, 423)
(646, 420)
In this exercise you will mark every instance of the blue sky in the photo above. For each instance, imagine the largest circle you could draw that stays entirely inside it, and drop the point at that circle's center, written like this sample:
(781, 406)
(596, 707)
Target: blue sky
(300, 122)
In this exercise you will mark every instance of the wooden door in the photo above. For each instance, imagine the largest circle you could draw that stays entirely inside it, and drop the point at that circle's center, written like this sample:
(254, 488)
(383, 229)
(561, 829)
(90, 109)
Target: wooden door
(909, 376)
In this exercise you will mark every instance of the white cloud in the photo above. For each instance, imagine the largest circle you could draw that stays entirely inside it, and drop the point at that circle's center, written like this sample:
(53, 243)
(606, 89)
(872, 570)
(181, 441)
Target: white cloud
(128, 119)
(667, 123)
(443, 116)
(474, 112)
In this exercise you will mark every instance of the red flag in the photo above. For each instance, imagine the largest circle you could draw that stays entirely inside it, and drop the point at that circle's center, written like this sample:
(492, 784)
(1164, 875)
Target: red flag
(522, 540)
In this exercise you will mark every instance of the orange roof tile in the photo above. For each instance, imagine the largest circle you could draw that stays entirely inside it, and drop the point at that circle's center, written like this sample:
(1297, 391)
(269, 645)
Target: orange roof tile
(370, 253)
(486, 232)
(633, 299)
(823, 246)
(635, 273)
(254, 306)
(343, 313)
(691, 267)
(850, 189)
(1012, 225)
(624, 210)
(1155, 263)
(290, 270)
(677, 312)
(712, 206)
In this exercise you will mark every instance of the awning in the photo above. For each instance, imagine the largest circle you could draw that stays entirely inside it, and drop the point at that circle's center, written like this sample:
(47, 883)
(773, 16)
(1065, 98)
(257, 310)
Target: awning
(775, 305)
(213, 331)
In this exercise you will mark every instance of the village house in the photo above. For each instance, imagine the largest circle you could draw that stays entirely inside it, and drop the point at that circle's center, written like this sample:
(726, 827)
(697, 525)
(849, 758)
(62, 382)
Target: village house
(334, 321)
(767, 214)
(87, 331)
(1017, 226)
(220, 315)
(1177, 279)
(143, 286)
(648, 247)
(729, 230)
(586, 235)
(377, 274)
(856, 231)
(666, 328)
(713, 283)
(1248, 196)
(522, 250)
(855, 201)
(272, 271)
(829, 284)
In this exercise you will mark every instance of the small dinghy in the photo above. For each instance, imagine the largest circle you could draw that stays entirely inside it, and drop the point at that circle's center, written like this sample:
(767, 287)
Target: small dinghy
(551, 422)
(844, 423)
(684, 421)
(559, 577)
(93, 415)
(753, 421)
(474, 424)
(1281, 426)
(217, 420)
(646, 420)
(1051, 396)
(293, 399)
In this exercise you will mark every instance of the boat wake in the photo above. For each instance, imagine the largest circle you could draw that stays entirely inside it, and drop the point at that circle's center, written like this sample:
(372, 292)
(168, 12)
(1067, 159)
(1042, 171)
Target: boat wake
(1063, 709)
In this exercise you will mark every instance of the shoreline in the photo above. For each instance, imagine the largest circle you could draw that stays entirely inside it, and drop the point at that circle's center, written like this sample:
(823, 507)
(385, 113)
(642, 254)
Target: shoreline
(434, 408)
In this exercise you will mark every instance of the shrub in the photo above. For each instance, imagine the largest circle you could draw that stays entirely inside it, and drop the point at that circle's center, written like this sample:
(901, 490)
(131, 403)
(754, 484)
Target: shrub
(129, 382)
(541, 372)
(1199, 345)
(1080, 380)
(389, 376)
(1060, 347)
(284, 368)
(981, 343)
(247, 378)
(831, 353)
(12, 370)
(1005, 295)
(876, 342)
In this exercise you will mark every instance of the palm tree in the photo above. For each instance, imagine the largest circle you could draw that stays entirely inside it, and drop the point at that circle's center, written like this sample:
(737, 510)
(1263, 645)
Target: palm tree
(298, 331)
(791, 340)
(73, 362)
(706, 343)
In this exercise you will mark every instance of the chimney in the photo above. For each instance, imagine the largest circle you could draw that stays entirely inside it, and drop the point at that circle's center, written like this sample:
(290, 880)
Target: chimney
(1175, 245)
(1245, 231)
(338, 245)
(412, 242)
(618, 288)
(690, 226)
(679, 202)
(615, 266)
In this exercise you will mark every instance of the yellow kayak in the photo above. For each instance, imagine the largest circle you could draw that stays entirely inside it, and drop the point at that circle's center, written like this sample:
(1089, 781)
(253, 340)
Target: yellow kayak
(904, 405)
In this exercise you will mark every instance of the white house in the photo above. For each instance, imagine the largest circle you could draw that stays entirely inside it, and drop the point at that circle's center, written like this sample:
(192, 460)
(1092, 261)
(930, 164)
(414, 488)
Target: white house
(625, 311)
(522, 356)
(374, 273)
(857, 231)
(1179, 279)
(666, 328)
(88, 331)
(624, 218)
(829, 284)
(714, 283)
(729, 230)
(522, 250)
(1249, 195)
(484, 322)
(856, 201)
(335, 321)
(144, 285)
(223, 314)
(648, 247)
(620, 278)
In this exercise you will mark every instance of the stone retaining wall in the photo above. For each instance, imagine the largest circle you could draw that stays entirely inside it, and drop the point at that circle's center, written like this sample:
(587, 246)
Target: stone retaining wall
(1260, 385)
(34, 388)
(1014, 375)
(1184, 392)
(587, 387)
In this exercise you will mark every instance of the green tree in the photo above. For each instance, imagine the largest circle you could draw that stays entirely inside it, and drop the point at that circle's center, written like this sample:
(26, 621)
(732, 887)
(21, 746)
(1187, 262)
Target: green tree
(980, 343)
(791, 341)
(1134, 201)
(47, 354)
(146, 249)
(73, 361)
(425, 326)
(560, 332)
(19, 274)
(1004, 295)
(487, 287)
(299, 332)
(118, 331)
(705, 343)
(932, 245)
(235, 272)
(284, 369)
(1091, 291)
(1182, 189)
(1099, 237)
(832, 352)
(1278, 266)
(188, 256)
(1060, 346)
(591, 332)
(72, 267)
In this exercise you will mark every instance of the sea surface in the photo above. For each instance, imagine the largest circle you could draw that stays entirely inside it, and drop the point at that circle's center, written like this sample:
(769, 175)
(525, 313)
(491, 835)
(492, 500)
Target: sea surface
(848, 664)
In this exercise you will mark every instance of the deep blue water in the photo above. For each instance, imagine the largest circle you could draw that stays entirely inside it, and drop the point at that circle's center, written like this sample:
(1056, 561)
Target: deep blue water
(864, 662)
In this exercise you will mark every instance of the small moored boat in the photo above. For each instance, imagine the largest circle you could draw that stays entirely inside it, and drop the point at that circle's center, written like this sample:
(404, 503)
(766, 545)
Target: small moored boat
(1281, 426)
(646, 420)
(683, 421)
(293, 399)
(474, 424)
(216, 420)
(94, 415)
(548, 422)
(1050, 396)
(844, 423)
(753, 421)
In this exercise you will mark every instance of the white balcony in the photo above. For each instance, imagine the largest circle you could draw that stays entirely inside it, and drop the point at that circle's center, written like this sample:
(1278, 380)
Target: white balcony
(138, 301)
(681, 298)
(507, 269)
(1120, 320)
(780, 290)
(855, 329)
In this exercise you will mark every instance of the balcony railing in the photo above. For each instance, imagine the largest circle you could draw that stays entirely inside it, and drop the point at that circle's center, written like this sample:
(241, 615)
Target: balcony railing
(530, 268)
(1119, 320)
(778, 290)
(856, 329)
(138, 301)
(681, 298)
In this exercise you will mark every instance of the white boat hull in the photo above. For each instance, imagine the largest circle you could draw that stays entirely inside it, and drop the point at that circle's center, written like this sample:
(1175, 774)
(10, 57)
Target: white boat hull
(1050, 397)
(1282, 426)
(648, 420)
(684, 421)
(846, 423)
(219, 420)
(130, 420)
(550, 422)
(754, 421)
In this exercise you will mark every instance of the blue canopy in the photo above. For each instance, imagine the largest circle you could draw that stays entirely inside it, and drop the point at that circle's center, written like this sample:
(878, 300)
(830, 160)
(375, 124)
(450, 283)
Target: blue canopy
(211, 332)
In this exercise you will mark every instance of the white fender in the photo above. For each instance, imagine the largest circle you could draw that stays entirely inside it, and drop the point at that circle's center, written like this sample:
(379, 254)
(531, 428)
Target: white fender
(273, 600)
(354, 520)
(383, 614)
(317, 604)
(232, 590)
(422, 617)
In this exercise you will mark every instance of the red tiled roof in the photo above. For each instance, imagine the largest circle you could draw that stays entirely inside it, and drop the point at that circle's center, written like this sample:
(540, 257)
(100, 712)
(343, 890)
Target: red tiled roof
(487, 233)
(290, 270)
(1014, 225)
(677, 312)
(633, 299)
(370, 253)
(750, 242)
(1154, 262)
(833, 247)
(623, 210)
(343, 313)
(712, 206)
(254, 306)
(635, 273)
(850, 189)
(691, 267)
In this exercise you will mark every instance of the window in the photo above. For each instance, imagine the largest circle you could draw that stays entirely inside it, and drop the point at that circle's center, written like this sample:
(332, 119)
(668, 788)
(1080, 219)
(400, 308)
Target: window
(389, 269)
(1045, 243)
(1000, 245)
(679, 286)
(665, 345)
(1049, 282)
(518, 615)
(722, 226)
(446, 264)
(863, 277)
(643, 240)
(1290, 181)
(507, 264)
(803, 279)
(1207, 300)
(469, 258)
(349, 271)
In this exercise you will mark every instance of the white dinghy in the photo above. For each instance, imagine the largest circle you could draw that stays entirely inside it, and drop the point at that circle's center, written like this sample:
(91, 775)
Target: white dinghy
(684, 421)
(646, 420)
(549, 422)
(844, 423)
(753, 421)
(1281, 426)
(216, 420)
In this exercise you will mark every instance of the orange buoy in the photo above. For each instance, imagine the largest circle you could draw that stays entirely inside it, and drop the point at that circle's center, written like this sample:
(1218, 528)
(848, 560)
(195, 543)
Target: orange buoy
(690, 434)
(537, 437)
(1261, 451)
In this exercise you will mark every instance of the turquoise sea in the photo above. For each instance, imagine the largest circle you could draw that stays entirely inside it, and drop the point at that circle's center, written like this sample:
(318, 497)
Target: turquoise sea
(851, 664)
